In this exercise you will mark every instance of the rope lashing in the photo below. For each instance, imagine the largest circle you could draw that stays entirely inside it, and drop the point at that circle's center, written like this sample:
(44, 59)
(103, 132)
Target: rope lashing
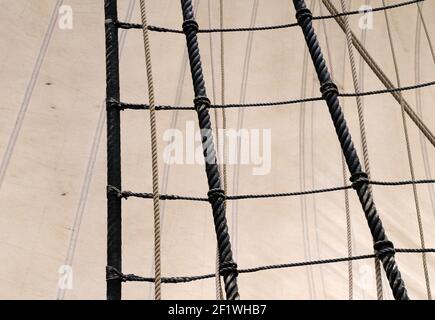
(125, 25)
(383, 249)
(358, 179)
(190, 28)
(327, 88)
(364, 193)
(229, 267)
(124, 106)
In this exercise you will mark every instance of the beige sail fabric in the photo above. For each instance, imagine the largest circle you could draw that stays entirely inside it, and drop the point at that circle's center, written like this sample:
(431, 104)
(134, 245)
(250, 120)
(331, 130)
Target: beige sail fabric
(52, 196)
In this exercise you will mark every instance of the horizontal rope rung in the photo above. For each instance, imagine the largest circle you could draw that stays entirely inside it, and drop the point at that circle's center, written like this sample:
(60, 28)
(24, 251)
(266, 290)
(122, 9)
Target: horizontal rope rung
(114, 274)
(147, 195)
(132, 106)
(124, 25)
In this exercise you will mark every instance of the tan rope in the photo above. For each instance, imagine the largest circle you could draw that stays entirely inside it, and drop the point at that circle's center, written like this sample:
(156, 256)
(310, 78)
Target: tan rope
(411, 166)
(426, 30)
(382, 76)
(154, 152)
(362, 127)
(344, 170)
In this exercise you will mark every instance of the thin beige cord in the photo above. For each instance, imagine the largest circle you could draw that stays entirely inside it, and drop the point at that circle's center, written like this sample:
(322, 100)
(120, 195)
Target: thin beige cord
(382, 76)
(344, 174)
(411, 166)
(154, 152)
(362, 127)
(426, 30)
(218, 283)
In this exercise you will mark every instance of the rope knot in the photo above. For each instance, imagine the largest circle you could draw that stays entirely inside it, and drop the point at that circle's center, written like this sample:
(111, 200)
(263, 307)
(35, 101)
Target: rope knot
(115, 104)
(190, 25)
(358, 179)
(327, 88)
(215, 195)
(302, 14)
(200, 101)
(384, 248)
(111, 190)
(109, 22)
(114, 274)
(228, 267)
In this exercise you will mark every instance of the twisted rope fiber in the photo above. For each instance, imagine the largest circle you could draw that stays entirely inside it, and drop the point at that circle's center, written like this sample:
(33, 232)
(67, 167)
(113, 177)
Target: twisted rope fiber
(382, 76)
(112, 273)
(114, 240)
(154, 155)
(131, 106)
(410, 160)
(383, 246)
(125, 25)
(216, 195)
(130, 194)
(361, 120)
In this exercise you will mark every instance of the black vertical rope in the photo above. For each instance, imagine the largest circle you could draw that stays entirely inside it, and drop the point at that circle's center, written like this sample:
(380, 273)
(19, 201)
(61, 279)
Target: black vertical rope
(383, 247)
(216, 195)
(113, 149)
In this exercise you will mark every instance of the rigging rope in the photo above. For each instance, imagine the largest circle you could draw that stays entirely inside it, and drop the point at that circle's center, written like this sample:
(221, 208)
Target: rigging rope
(360, 108)
(239, 126)
(410, 160)
(128, 194)
(154, 155)
(382, 76)
(384, 248)
(426, 31)
(124, 25)
(218, 284)
(361, 182)
(343, 167)
(114, 274)
(418, 98)
(216, 195)
(132, 106)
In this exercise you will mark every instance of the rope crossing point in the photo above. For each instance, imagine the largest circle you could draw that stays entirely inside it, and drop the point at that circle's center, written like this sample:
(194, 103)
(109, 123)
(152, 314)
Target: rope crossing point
(383, 247)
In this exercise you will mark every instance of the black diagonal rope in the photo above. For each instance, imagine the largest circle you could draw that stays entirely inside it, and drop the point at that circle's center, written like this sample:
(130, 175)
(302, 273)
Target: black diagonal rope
(216, 195)
(125, 25)
(383, 247)
(113, 149)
